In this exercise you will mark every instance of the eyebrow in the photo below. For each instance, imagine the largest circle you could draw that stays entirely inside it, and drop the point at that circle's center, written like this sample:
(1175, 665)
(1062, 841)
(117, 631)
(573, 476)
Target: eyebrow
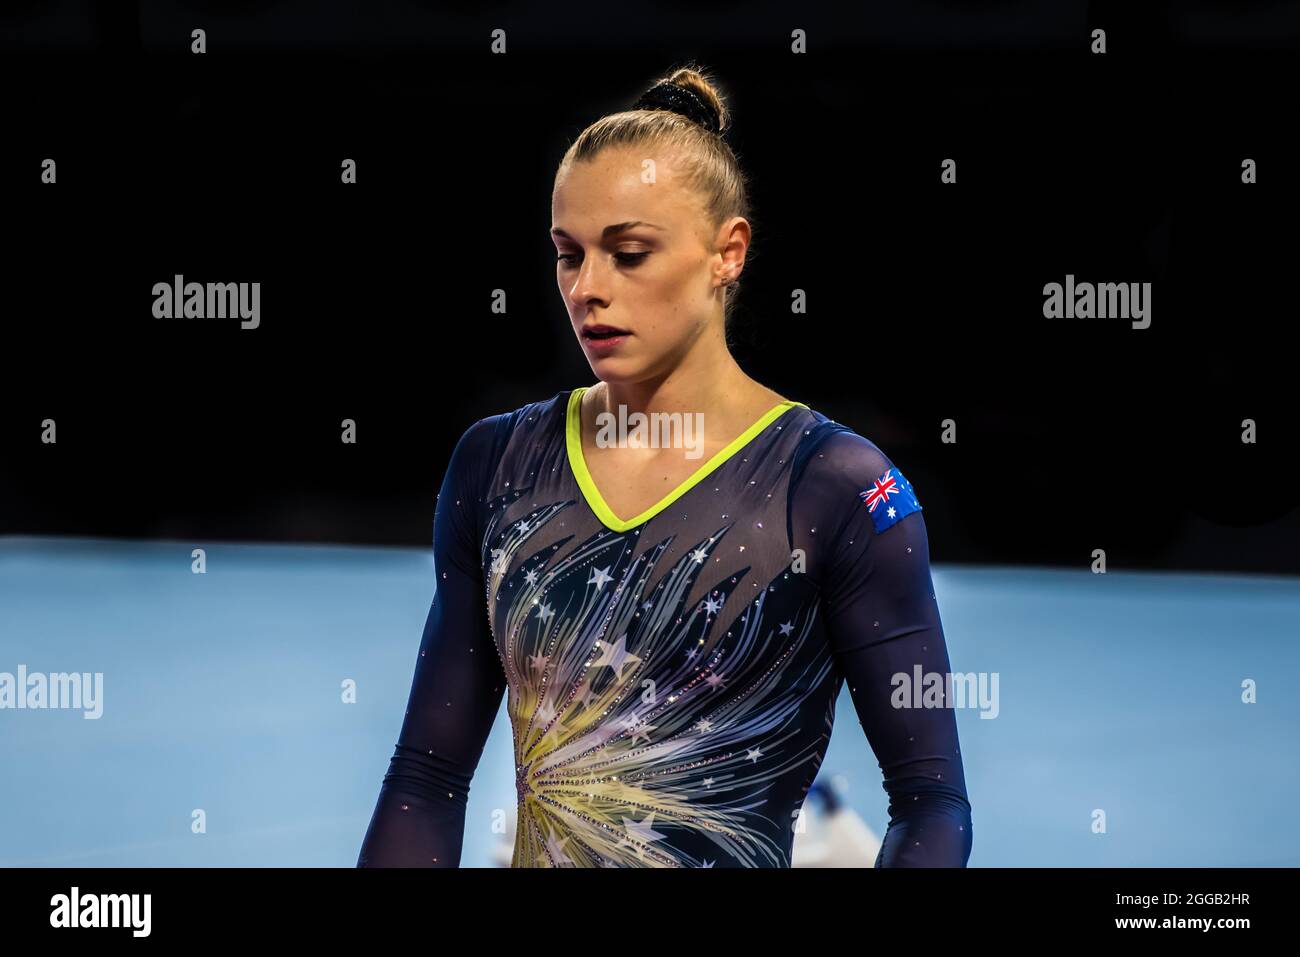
(611, 230)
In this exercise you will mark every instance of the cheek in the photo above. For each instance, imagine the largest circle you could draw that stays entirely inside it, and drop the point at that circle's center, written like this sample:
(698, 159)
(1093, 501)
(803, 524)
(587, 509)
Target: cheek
(679, 301)
(684, 283)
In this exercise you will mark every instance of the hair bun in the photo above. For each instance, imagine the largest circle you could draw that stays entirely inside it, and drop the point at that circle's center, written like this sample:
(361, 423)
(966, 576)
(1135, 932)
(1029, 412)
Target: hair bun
(686, 92)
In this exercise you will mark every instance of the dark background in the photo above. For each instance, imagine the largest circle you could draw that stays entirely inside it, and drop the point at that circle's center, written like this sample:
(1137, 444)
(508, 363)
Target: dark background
(925, 300)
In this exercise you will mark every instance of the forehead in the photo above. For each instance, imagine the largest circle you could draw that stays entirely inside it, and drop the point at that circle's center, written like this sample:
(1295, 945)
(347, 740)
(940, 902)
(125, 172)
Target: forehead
(614, 186)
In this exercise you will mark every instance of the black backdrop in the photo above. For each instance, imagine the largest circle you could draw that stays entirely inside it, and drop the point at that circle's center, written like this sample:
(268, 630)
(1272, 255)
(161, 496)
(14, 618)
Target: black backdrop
(924, 299)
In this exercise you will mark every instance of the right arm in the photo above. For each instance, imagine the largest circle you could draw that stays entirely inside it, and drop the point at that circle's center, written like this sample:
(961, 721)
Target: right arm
(419, 819)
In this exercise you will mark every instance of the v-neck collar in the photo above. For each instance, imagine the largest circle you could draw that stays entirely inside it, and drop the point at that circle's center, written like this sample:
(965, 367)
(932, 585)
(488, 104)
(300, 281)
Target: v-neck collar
(578, 464)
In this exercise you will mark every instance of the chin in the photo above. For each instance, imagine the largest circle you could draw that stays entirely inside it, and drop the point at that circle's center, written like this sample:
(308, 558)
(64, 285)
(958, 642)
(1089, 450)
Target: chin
(627, 366)
(616, 369)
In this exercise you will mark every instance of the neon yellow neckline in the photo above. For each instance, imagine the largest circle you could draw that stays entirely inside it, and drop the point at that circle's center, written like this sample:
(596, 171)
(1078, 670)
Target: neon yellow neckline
(578, 464)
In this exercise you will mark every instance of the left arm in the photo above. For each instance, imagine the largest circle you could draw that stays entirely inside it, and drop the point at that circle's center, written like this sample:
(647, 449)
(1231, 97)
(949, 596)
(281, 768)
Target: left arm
(884, 628)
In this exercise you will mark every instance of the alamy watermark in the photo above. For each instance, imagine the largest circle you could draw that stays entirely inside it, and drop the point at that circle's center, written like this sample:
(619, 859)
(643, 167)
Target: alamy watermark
(212, 300)
(1105, 300)
(75, 909)
(657, 430)
(82, 691)
(935, 689)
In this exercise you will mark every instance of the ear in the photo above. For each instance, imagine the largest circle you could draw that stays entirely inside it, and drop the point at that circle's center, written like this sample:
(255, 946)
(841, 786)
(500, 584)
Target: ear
(733, 243)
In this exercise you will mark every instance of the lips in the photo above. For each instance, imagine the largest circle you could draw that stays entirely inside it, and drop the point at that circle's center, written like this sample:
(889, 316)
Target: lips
(602, 341)
(598, 331)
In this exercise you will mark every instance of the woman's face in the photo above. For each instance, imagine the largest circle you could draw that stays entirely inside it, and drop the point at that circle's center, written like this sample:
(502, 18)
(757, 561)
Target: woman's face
(638, 265)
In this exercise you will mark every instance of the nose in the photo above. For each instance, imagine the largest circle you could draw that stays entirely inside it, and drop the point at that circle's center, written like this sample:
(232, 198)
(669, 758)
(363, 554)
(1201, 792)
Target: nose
(589, 283)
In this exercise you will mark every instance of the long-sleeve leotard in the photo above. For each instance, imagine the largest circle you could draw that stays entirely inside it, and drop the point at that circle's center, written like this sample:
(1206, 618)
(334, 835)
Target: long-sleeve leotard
(671, 684)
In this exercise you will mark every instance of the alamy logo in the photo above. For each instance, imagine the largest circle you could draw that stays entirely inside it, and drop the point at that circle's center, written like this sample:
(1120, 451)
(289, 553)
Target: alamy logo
(212, 300)
(102, 910)
(1106, 300)
(934, 689)
(658, 430)
(58, 689)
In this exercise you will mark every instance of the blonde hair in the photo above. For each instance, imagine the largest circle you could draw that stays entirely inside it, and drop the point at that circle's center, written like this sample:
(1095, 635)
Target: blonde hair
(709, 165)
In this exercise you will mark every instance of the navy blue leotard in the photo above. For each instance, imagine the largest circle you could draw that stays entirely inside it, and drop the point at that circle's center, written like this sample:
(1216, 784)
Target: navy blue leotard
(672, 678)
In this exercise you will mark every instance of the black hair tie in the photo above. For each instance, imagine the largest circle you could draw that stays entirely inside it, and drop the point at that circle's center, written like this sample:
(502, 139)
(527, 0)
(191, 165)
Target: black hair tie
(678, 99)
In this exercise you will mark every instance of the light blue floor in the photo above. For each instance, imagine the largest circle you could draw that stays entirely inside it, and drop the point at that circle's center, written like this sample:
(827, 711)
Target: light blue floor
(222, 691)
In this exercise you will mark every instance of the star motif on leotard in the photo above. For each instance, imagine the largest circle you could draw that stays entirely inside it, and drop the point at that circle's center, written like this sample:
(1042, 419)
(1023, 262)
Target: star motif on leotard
(545, 712)
(640, 831)
(615, 656)
(555, 848)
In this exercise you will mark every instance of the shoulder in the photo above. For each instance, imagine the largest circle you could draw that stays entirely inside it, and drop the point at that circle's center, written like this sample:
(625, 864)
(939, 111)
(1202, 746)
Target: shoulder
(497, 429)
(832, 453)
(838, 471)
(485, 441)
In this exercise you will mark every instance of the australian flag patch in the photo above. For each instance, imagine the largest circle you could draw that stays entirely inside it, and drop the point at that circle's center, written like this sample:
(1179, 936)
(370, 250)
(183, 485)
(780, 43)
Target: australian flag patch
(890, 499)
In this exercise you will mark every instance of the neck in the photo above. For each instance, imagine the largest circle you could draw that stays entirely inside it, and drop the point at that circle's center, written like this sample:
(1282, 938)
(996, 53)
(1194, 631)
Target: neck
(706, 378)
